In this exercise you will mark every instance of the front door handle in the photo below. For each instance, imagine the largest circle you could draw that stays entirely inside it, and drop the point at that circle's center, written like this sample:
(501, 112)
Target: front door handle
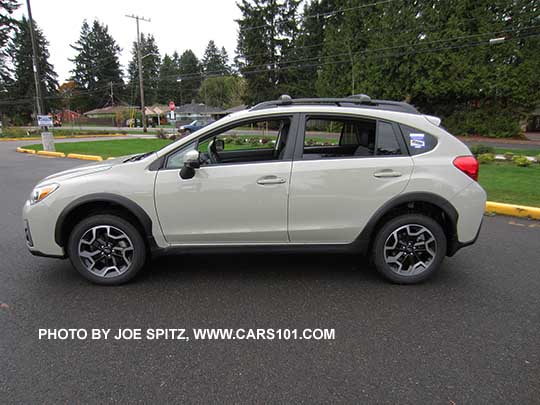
(387, 173)
(270, 180)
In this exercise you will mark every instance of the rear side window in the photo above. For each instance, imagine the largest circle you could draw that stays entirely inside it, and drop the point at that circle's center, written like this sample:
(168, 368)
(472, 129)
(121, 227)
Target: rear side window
(335, 137)
(417, 140)
(387, 143)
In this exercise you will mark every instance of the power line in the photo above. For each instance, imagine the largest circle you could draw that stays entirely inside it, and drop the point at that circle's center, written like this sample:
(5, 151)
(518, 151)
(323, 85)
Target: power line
(197, 75)
(318, 15)
(382, 56)
(437, 28)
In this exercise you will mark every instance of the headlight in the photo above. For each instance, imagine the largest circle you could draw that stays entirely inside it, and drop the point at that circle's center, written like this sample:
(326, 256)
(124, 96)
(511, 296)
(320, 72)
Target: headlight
(39, 193)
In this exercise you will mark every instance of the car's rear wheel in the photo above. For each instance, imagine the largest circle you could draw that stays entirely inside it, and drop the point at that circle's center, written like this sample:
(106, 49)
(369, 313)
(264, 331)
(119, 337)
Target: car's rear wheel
(106, 249)
(409, 248)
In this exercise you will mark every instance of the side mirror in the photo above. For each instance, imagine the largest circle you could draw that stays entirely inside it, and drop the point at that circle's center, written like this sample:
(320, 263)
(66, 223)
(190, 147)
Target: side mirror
(191, 162)
(192, 159)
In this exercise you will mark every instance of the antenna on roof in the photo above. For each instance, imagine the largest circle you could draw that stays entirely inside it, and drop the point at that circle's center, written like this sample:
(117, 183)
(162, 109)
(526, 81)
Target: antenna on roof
(364, 98)
(285, 98)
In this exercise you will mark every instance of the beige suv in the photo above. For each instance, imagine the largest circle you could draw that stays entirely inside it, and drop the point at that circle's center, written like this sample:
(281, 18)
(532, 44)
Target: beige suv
(344, 175)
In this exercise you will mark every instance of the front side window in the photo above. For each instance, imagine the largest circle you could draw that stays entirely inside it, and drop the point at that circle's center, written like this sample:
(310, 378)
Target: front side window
(253, 141)
(337, 137)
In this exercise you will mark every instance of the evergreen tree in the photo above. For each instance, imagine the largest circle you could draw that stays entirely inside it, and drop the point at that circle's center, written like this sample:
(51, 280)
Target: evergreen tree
(97, 66)
(267, 32)
(189, 70)
(307, 49)
(23, 88)
(215, 61)
(151, 62)
(8, 25)
(168, 86)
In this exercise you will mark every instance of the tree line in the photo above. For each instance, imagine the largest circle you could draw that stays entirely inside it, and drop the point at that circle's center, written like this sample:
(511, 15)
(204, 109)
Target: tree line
(473, 62)
(476, 63)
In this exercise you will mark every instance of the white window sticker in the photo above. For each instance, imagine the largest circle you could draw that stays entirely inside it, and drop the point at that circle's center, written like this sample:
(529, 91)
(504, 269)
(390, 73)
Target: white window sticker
(417, 141)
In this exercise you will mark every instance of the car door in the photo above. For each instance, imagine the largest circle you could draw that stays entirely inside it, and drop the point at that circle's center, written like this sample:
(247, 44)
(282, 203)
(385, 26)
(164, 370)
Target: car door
(337, 186)
(242, 200)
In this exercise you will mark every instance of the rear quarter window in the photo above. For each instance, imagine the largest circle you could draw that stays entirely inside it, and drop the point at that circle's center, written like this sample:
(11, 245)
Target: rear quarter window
(418, 141)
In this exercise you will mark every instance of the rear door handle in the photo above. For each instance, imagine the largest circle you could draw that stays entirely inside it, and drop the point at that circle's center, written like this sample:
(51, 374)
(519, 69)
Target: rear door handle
(263, 181)
(387, 173)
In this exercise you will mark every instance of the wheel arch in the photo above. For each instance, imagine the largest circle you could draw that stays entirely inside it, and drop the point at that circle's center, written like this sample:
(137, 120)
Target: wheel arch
(100, 202)
(430, 204)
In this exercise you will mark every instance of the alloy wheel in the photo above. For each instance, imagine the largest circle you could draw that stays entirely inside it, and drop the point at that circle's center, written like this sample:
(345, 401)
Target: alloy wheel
(105, 251)
(410, 249)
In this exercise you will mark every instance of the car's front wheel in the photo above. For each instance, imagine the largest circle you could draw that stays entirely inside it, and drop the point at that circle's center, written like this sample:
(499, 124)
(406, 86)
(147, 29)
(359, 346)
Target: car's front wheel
(106, 249)
(409, 248)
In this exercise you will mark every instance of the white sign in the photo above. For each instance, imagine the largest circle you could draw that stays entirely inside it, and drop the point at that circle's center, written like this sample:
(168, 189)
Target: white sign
(417, 141)
(172, 115)
(45, 121)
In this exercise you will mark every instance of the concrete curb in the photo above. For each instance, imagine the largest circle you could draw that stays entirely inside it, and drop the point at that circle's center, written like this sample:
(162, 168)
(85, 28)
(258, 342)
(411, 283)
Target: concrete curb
(84, 157)
(53, 154)
(22, 150)
(37, 138)
(62, 155)
(513, 210)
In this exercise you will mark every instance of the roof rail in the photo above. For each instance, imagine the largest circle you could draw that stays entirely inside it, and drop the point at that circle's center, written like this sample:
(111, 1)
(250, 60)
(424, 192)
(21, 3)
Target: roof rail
(356, 100)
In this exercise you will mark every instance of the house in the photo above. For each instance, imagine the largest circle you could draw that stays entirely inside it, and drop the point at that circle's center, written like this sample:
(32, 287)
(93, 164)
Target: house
(186, 113)
(66, 115)
(231, 110)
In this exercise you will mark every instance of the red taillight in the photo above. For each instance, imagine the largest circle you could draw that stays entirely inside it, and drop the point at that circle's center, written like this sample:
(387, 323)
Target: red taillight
(468, 165)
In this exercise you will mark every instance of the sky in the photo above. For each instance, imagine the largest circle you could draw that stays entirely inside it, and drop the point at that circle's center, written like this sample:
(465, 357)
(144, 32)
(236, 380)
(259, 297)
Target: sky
(176, 25)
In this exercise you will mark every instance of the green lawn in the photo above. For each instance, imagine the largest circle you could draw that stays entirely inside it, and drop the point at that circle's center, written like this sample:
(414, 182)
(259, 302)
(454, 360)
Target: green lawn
(507, 183)
(108, 148)
(526, 152)
(121, 147)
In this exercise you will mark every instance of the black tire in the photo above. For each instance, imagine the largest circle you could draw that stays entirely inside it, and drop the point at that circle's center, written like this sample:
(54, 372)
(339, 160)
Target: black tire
(137, 255)
(390, 272)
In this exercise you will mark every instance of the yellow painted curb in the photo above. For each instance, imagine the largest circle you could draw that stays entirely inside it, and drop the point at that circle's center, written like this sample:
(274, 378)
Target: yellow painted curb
(513, 210)
(84, 157)
(22, 150)
(48, 153)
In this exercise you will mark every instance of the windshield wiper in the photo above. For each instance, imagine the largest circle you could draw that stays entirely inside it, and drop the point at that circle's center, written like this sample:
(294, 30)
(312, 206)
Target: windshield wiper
(138, 157)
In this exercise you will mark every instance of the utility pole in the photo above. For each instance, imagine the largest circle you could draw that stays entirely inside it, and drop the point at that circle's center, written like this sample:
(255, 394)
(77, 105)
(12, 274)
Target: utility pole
(112, 94)
(46, 137)
(139, 61)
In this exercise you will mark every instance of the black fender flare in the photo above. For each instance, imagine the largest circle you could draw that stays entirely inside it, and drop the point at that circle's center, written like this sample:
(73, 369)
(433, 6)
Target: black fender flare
(116, 199)
(363, 240)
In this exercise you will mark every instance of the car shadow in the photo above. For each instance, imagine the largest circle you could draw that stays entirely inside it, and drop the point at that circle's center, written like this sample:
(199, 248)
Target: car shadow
(259, 266)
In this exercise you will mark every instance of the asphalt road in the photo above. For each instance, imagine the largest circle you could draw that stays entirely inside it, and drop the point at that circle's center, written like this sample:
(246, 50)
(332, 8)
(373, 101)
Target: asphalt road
(469, 335)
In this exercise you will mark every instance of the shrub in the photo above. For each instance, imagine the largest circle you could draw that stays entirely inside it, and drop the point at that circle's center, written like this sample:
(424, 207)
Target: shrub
(161, 133)
(486, 158)
(538, 159)
(480, 149)
(508, 155)
(493, 121)
(521, 161)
